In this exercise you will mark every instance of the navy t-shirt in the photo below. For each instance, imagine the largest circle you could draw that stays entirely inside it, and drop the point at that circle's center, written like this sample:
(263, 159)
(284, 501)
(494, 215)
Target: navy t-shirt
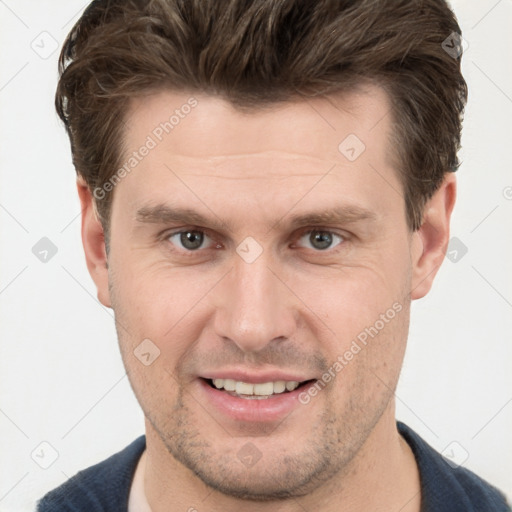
(105, 487)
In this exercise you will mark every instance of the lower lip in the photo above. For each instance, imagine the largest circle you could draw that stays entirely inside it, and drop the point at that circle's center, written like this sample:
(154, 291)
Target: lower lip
(254, 410)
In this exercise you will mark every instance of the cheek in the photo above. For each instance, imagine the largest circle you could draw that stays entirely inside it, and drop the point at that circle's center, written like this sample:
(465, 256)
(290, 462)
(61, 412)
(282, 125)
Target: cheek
(367, 364)
(157, 324)
(163, 305)
(364, 314)
(348, 300)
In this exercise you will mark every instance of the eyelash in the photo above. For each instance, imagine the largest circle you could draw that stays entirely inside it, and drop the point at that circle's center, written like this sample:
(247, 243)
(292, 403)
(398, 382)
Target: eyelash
(344, 238)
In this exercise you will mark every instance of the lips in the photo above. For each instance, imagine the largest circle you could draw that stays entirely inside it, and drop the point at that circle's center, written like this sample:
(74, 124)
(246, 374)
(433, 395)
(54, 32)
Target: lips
(247, 407)
(252, 397)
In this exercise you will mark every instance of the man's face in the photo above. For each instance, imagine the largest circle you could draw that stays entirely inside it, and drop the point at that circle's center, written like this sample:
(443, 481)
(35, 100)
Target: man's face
(254, 248)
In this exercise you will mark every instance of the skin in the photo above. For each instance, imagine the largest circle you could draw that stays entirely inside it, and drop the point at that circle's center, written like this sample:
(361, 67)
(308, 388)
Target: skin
(295, 308)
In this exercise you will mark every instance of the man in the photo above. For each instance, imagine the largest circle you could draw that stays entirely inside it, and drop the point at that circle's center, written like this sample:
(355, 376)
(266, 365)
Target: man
(265, 187)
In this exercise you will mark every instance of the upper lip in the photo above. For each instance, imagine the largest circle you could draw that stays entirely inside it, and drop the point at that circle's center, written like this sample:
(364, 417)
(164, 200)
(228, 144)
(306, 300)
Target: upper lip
(255, 377)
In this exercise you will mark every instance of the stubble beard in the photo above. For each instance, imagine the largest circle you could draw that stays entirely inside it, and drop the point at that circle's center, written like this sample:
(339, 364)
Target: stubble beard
(326, 455)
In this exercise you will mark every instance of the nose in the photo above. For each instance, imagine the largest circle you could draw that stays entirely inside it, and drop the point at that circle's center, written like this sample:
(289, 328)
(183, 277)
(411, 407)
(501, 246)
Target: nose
(254, 306)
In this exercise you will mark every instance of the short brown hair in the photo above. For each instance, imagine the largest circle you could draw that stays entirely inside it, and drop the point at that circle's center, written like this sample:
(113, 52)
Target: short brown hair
(254, 53)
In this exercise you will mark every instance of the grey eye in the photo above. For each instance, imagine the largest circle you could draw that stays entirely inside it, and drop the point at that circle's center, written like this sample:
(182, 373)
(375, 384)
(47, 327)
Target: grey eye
(190, 240)
(321, 240)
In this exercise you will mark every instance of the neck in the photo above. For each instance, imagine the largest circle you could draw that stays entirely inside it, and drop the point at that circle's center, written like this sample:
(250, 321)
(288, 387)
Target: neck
(383, 476)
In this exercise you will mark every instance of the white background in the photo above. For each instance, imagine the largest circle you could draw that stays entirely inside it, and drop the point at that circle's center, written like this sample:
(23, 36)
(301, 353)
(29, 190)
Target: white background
(61, 376)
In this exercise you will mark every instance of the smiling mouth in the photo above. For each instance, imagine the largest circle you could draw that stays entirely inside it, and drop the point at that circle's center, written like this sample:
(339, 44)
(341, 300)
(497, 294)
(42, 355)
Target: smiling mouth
(260, 391)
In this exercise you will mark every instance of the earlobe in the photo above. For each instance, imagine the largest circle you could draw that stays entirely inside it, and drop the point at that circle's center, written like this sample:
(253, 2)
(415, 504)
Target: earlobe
(430, 242)
(93, 241)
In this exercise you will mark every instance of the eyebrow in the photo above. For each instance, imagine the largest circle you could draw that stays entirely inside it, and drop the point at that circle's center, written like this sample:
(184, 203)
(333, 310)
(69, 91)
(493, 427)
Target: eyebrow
(165, 214)
(345, 214)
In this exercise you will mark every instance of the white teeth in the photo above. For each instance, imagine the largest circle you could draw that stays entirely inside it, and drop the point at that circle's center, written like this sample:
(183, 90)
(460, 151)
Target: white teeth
(290, 386)
(229, 384)
(242, 388)
(279, 386)
(263, 389)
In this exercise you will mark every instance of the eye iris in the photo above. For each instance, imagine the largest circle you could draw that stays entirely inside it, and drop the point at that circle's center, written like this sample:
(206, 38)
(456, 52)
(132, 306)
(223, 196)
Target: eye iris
(320, 239)
(191, 239)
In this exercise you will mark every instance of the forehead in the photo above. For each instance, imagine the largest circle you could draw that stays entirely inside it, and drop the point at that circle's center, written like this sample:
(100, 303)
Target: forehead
(200, 126)
(195, 145)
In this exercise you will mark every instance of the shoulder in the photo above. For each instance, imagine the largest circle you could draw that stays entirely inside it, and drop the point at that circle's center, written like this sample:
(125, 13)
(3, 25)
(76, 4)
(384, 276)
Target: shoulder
(102, 487)
(447, 487)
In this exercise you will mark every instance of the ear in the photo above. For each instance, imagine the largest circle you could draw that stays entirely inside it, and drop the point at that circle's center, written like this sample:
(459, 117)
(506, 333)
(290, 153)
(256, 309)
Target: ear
(93, 240)
(430, 242)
